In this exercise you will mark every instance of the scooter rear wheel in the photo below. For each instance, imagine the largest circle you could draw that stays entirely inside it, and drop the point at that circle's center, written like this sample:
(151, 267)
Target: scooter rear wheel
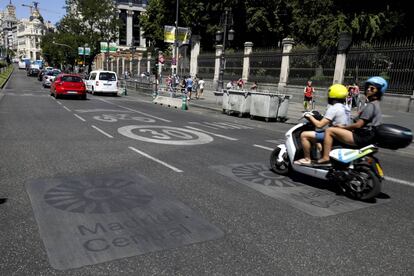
(279, 167)
(365, 184)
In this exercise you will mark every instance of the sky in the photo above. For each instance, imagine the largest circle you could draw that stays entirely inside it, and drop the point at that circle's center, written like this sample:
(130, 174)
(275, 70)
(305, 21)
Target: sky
(51, 10)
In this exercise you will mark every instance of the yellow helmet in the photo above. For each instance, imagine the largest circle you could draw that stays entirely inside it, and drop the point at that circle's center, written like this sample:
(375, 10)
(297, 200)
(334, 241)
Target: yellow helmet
(337, 91)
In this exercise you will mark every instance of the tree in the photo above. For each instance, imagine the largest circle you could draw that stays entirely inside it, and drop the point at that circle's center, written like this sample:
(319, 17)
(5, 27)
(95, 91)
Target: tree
(86, 22)
(265, 23)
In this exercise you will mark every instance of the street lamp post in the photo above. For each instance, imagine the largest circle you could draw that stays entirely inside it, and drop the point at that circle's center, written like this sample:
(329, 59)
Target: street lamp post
(223, 36)
(64, 45)
(133, 49)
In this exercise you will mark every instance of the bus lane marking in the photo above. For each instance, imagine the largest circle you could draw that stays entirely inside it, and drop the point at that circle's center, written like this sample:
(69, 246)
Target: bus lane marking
(139, 112)
(214, 134)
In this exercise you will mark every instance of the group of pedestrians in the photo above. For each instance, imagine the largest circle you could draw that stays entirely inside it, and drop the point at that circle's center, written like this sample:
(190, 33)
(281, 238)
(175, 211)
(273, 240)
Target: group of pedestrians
(357, 132)
(240, 85)
(187, 85)
(353, 98)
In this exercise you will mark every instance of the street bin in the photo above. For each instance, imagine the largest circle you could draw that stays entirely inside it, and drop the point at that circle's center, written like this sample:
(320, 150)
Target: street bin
(283, 108)
(269, 105)
(225, 101)
(239, 101)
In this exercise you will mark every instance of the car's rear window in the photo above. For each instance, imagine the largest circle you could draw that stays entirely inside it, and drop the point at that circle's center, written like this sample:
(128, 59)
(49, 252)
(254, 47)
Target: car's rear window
(107, 76)
(71, 79)
(55, 73)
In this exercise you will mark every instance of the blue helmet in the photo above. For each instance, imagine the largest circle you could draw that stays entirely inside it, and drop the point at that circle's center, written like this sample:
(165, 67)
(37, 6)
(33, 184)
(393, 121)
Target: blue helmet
(378, 82)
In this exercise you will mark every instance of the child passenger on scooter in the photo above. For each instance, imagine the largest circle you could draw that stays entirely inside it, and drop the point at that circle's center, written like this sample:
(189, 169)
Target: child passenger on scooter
(361, 132)
(336, 115)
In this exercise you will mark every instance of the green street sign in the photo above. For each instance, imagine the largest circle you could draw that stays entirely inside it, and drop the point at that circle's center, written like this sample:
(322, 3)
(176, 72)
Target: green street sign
(80, 51)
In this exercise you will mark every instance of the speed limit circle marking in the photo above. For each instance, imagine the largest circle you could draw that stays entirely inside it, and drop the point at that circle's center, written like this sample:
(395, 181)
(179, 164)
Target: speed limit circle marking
(165, 135)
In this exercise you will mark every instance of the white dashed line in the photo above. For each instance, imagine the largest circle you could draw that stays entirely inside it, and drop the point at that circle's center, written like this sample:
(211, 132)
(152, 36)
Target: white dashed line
(67, 109)
(59, 102)
(79, 117)
(156, 160)
(103, 132)
(214, 134)
(399, 181)
(263, 147)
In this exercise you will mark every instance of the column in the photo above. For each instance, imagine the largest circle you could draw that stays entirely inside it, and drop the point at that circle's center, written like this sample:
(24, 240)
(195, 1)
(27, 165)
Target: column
(344, 43)
(248, 48)
(219, 50)
(142, 41)
(149, 62)
(131, 67)
(287, 45)
(112, 65)
(117, 66)
(139, 65)
(123, 66)
(195, 51)
(129, 27)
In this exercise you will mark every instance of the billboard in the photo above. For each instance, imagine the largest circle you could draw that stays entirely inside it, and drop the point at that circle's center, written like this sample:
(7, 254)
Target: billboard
(183, 36)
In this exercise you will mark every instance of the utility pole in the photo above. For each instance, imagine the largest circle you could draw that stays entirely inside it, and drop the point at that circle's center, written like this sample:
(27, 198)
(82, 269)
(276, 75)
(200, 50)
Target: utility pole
(175, 48)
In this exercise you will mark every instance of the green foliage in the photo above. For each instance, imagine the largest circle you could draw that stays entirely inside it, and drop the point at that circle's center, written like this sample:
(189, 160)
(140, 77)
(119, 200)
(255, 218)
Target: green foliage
(89, 23)
(266, 23)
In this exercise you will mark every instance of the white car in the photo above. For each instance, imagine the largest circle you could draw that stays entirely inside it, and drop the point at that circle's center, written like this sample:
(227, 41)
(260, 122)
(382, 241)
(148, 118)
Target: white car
(105, 82)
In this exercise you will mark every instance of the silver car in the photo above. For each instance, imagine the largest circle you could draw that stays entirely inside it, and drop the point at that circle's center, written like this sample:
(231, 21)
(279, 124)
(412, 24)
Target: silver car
(49, 77)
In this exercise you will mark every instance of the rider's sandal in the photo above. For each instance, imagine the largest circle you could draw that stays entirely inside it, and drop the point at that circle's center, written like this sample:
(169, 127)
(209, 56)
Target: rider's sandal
(303, 161)
(323, 163)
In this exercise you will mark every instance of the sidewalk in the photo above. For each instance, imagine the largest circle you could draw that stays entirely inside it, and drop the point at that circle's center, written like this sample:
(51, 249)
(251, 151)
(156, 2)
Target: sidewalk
(210, 101)
(295, 111)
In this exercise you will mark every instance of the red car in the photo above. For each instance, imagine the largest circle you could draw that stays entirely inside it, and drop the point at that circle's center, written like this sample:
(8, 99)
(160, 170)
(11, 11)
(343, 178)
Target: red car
(68, 85)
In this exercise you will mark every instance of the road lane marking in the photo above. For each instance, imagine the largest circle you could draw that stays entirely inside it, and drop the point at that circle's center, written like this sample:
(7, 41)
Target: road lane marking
(143, 113)
(263, 147)
(67, 109)
(200, 124)
(103, 132)
(214, 134)
(58, 102)
(79, 117)
(399, 181)
(156, 160)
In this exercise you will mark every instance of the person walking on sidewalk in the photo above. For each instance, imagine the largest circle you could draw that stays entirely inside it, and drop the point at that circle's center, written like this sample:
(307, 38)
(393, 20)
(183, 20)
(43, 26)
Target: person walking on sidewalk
(200, 90)
(254, 86)
(308, 96)
(189, 86)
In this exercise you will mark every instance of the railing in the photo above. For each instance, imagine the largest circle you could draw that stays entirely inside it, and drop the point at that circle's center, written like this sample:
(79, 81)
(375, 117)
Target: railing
(265, 66)
(206, 65)
(394, 62)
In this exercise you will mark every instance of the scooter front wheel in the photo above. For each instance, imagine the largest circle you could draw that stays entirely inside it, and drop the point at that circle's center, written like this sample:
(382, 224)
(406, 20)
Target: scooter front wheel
(279, 167)
(364, 184)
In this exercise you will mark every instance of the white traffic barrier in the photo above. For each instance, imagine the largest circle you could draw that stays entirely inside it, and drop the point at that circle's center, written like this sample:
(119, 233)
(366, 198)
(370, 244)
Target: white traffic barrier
(168, 101)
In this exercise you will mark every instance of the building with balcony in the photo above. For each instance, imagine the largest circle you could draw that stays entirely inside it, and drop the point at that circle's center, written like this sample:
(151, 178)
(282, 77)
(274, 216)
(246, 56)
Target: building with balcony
(8, 28)
(29, 35)
(130, 33)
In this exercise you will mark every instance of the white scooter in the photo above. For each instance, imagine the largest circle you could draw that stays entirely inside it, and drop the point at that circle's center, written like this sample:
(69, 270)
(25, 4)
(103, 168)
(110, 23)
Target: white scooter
(357, 172)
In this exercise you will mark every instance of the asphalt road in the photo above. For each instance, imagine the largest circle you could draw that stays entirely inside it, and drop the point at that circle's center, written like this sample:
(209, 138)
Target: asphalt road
(209, 168)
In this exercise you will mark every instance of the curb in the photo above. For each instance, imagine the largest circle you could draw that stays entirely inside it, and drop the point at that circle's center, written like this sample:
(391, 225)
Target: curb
(5, 83)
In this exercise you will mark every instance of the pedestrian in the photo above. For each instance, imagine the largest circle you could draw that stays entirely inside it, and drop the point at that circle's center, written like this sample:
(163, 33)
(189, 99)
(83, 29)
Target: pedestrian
(229, 85)
(254, 86)
(195, 86)
(169, 82)
(354, 94)
(189, 86)
(240, 84)
(308, 96)
(200, 90)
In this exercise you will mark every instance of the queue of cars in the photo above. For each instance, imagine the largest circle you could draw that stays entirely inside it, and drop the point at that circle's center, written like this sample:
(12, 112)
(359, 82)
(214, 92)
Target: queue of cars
(67, 84)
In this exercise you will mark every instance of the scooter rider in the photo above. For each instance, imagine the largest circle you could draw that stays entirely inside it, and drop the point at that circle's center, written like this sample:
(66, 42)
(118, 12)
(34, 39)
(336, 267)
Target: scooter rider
(359, 133)
(336, 115)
